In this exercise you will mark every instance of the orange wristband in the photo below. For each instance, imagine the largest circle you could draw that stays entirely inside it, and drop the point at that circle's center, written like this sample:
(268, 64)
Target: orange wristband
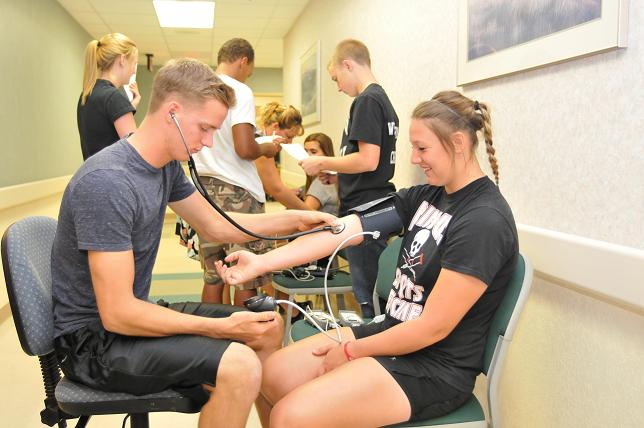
(348, 356)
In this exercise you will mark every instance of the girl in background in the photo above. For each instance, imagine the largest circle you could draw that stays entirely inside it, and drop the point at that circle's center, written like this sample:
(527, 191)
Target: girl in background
(319, 196)
(104, 113)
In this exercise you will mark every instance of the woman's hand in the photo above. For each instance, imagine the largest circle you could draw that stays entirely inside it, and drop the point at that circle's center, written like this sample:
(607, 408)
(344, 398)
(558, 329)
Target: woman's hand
(299, 192)
(247, 267)
(333, 357)
(313, 164)
(136, 95)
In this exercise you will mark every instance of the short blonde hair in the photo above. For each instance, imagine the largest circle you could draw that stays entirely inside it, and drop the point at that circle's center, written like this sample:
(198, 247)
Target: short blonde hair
(101, 54)
(192, 80)
(351, 49)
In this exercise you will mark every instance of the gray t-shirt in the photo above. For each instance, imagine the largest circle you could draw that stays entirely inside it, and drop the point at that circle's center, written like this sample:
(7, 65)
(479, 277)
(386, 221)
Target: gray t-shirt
(326, 194)
(116, 201)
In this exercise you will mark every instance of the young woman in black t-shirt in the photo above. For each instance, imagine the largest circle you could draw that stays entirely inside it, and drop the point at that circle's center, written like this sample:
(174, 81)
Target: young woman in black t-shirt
(104, 113)
(458, 252)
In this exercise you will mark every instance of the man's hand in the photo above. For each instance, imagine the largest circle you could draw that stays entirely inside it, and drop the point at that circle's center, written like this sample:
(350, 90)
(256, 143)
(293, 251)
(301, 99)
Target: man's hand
(333, 357)
(249, 326)
(311, 219)
(313, 164)
(326, 178)
(270, 149)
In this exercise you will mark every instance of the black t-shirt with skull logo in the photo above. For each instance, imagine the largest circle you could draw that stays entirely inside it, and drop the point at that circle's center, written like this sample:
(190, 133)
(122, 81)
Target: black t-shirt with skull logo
(471, 231)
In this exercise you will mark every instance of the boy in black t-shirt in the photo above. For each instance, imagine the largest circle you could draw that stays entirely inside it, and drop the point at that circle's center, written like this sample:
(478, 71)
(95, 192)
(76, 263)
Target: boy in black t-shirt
(367, 156)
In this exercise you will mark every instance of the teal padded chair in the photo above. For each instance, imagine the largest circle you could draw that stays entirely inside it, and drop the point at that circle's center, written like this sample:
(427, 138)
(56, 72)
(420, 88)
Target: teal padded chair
(386, 274)
(26, 261)
(502, 329)
(339, 284)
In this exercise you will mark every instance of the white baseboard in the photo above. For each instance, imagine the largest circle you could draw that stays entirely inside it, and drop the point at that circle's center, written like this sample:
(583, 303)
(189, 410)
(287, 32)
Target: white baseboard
(27, 192)
(602, 269)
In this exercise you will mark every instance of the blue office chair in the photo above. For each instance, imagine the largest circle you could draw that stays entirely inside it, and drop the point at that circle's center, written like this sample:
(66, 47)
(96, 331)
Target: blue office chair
(26, 260)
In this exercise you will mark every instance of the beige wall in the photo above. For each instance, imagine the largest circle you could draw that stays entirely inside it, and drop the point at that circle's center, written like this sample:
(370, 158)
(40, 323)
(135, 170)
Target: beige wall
(568, 140)
(41, 73)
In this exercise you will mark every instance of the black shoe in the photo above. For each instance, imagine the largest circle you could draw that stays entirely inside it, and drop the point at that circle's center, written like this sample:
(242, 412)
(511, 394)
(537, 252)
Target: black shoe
(307, 305)
(297, 317)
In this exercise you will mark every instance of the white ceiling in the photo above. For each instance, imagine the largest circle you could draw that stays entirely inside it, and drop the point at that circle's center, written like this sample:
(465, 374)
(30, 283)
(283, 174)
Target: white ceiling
(263, 23)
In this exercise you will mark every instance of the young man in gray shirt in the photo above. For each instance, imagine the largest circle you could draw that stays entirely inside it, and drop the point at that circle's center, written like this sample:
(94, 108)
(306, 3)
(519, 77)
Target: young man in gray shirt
(107, 334)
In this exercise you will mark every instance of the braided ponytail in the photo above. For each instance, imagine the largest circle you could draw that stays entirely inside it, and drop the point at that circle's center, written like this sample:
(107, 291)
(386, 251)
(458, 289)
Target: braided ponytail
(487, 136)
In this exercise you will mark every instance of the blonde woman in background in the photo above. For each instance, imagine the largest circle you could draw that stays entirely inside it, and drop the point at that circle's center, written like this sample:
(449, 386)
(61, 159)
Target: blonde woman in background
(286, 123)
(104, 113)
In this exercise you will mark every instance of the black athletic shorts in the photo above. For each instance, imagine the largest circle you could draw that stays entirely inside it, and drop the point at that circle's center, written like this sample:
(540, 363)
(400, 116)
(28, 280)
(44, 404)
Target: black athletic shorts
(144, 365)
(429, 396)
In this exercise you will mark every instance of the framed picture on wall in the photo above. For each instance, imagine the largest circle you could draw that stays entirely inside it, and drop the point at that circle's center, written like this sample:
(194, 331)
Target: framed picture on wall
(499, 37)
(310, 84)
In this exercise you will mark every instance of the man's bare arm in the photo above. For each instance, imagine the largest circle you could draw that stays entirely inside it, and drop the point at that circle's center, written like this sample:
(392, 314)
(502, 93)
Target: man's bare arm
(364, 160)
(212, 226)
(245, 145)
(121, 312)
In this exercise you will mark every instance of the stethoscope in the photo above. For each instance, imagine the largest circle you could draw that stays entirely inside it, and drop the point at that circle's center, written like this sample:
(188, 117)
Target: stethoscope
(267, 303)
(194, 175)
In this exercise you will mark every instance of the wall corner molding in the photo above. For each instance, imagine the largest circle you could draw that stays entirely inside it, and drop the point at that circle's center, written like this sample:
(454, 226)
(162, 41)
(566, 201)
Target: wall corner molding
(22, 193)
(610, 272)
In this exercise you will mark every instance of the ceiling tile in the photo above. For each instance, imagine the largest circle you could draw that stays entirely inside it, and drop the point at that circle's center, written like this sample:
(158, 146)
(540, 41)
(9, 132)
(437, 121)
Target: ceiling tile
(123, 6)
(76, 5)
(236, 23)
(243, 10)
(130, 18)
(135, 31)
(88, 18)
(97, 30)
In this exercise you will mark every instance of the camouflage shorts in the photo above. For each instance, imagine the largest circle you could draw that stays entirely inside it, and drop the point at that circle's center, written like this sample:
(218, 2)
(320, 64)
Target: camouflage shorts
(232, 199)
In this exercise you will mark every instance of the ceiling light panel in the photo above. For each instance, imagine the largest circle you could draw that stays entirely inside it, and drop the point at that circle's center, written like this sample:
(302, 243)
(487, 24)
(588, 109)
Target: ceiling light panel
(185, 14)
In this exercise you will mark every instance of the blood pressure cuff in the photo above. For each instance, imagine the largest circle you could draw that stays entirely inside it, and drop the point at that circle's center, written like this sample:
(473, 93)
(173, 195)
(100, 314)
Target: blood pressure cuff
(379, 215)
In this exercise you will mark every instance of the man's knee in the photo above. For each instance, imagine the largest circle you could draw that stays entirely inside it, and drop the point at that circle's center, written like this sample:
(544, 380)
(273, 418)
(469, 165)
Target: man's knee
(240, 370)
